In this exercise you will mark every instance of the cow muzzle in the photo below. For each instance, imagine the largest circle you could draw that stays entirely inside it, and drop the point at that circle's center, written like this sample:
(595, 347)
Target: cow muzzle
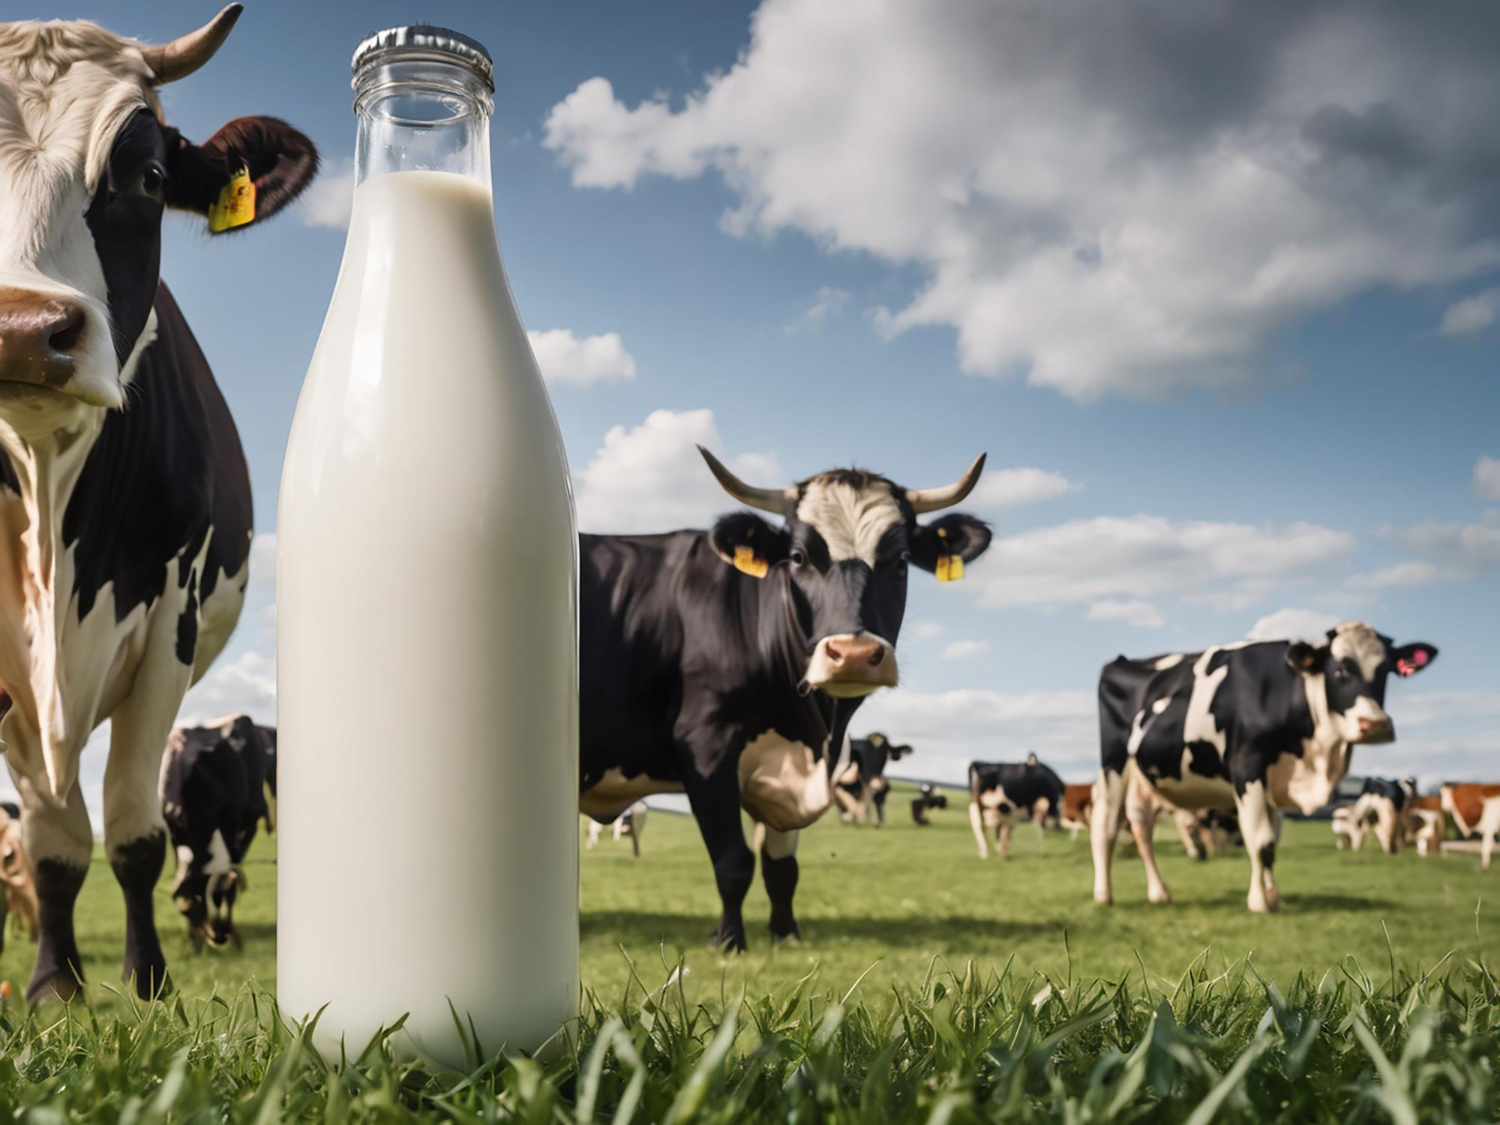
(849, 665)
(41, 337)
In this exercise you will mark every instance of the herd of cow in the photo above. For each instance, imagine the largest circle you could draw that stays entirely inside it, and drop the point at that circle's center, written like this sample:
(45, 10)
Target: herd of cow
(726, 664)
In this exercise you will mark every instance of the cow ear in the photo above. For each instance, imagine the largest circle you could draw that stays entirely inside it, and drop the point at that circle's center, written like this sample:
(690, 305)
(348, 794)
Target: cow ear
(1304, 657)
(1410, 659)
(899, 752)
(247, 171)
(944, 545)
(748, 543)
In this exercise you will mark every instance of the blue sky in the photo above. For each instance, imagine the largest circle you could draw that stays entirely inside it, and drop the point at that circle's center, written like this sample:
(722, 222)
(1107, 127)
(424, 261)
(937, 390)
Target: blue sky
(1220, 279)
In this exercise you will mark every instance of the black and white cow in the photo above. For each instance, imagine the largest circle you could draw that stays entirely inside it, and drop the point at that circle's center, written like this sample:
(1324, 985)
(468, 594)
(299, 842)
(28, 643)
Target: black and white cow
(727, 663)
(1247, 727)
(862, 788)
(218, 783)
(928, 798)
(125, 516)
(1384, 805)
(1002, 792)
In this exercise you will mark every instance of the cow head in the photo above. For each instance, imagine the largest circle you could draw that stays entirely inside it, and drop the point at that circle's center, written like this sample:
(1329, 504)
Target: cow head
(1353, 665)
(844, 547)
(87, 168)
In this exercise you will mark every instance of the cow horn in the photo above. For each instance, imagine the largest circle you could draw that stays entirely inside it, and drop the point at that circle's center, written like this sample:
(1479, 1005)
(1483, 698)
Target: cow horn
(935, 499)
(186, 53)
(773, 500)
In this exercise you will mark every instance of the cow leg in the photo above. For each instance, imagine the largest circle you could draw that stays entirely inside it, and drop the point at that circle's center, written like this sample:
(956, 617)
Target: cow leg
(778, 867)
(1109, 801)
(880, 796)
(59, 843)
(1003, 837)
(1258, 826)
(976, 820)
(135, 833)
(715, 801)
(1489, 827)
(1141, 811)
(1187, 825)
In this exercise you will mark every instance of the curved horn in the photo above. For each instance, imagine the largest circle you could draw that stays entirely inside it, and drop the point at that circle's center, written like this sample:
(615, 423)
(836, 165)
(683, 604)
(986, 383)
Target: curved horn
(934, 499)
(772, 500)
(186, 53)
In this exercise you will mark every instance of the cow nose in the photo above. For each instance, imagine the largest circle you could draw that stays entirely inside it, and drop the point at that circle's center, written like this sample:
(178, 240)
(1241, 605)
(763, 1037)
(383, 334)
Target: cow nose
(40, 337)
(854, 652)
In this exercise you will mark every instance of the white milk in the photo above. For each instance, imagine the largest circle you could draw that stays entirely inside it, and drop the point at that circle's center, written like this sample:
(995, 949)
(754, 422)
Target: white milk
(427, 649)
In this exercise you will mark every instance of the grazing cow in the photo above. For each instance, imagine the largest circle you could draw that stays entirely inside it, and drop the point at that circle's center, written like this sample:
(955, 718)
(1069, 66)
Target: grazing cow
(862, 788)
(727, 663)
(19, 889)
(1248, 727)
(1348, 830)
(1474, 808)
(218, 782)
(126, 532)
(1000, 792)
(1077, 803)
(927, 799)
(631, 822)
(1385, 805)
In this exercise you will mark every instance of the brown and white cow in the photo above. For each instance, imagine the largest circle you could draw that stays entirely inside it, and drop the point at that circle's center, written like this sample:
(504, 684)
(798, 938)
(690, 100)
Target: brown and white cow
(124, 532)
(1475, 808)
(17, 890)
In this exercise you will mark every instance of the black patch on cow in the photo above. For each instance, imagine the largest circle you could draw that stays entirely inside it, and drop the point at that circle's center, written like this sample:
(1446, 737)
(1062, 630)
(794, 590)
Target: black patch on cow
(1268, 856)
(58, 965)
(187, 627)
(780, 877)
(137, 866)
(1204, 760)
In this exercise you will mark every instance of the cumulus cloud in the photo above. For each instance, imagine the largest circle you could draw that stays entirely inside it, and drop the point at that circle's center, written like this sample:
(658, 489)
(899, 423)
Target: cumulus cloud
(1396, 575)
(1010, 488)
(1292, 624)
(246, 684)
(1132, 611)
(965, 650)
(651, 478)
(1472, 314)
(949, 729)
(827, 303)
(1453, 551)
(329, 200)
(1127, 198)
(580, 361)
(1487, 478)
(1227, 565)
(926, 630)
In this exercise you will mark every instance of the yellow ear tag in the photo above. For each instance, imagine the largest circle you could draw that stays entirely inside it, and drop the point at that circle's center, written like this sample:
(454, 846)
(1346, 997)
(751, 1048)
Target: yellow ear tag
(236, 205)
(941, 570)
(747, 561)
(955, 568)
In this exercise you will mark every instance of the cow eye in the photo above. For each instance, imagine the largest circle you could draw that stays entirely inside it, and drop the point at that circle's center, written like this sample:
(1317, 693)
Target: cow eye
(798, 558)
(152, 180)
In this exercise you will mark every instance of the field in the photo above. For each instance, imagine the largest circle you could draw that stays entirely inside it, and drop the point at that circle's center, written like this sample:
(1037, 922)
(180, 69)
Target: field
(904, 927)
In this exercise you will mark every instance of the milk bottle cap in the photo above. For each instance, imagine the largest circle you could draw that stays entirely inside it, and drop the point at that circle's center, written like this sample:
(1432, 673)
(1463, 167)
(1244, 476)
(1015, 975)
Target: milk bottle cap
(420, 39)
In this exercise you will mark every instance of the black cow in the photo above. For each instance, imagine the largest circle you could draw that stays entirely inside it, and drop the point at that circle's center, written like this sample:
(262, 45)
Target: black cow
(727, 663)
(862, 787)
(218, 783)
(124, 533)
(1385, 803)
(927, 799)
(1248, 727)
(1001, 792)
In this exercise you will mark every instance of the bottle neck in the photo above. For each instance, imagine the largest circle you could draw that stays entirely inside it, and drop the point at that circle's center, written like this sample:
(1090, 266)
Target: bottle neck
(422, 113)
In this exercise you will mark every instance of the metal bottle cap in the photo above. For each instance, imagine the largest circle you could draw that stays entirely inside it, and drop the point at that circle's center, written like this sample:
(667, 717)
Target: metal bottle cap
(423, 37)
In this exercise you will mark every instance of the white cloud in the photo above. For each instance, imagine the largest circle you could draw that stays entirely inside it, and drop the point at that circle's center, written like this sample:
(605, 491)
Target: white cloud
(926, 630)
(247, 684)
(579, 361)
(329, 200)
(1487, 478)
(827, 303)
(1292, 624)
(1087, 209)
(949, 729)
(1455, 551)
(965, 650)
(651, 478)
(1396, 575)
(1227, 565)
(1143, 615)
(1472, 314)
(1010, 488)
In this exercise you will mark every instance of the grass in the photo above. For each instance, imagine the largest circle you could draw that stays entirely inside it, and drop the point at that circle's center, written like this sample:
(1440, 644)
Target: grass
(930, 986)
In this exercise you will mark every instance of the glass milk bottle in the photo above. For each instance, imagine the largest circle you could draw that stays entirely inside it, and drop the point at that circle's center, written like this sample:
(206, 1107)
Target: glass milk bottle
(427, 607)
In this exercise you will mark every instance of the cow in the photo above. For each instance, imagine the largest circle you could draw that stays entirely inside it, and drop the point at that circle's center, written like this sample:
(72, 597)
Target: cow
(927, 799)
(631, 822)
(862, 788)
(727, 663)
(1001, 792)
(218, 783)
(1426, 825)
(1249, 727)
(1385, 805)
(17, 888)
(124, 530)
(1348, 830)
(1474, 808)
(1077, 802)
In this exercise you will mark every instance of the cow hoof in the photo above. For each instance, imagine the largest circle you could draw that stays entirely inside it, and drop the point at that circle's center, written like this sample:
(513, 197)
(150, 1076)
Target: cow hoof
(53, 986)
(1160, 897)
(732, 941)
(149, 981)
(785, 933)
(1104, 898)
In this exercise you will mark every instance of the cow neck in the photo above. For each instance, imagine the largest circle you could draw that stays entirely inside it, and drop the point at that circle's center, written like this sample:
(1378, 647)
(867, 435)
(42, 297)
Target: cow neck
(788, 660)
(34, 591)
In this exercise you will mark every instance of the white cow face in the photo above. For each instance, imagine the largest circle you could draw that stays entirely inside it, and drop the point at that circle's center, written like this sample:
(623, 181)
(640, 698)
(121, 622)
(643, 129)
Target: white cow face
(1353, 667)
